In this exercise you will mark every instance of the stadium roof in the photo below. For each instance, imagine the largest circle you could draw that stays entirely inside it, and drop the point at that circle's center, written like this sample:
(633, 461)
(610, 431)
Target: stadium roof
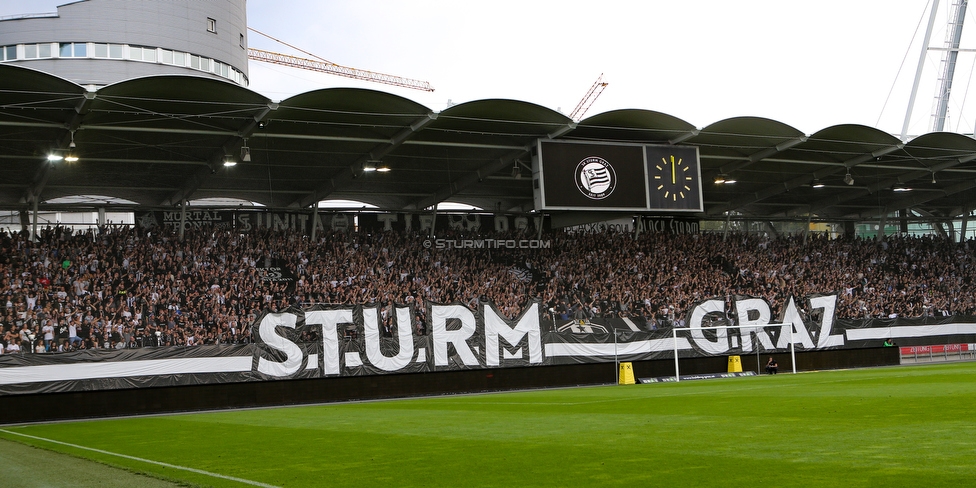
(159, 140)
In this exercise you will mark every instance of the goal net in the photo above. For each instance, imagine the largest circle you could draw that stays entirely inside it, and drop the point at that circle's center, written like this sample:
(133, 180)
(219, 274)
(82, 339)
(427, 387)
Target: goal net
(747, 341)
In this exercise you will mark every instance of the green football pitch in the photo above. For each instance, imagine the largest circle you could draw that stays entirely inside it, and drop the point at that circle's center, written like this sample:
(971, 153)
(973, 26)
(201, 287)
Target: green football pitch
(894, 426)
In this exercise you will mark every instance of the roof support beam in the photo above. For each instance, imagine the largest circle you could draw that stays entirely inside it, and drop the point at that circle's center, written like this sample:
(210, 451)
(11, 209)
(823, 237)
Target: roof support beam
(464, 182)
(356, 168)
(962, 211)
(110, 189)
(258, 135)
(254, 123)
(855, 192)
(81, 111)
(216, 160)
(799, 181)
(684, 137)
(33, 192)
(754, 158)
(918, 199)
(771, 191)
(43, 125)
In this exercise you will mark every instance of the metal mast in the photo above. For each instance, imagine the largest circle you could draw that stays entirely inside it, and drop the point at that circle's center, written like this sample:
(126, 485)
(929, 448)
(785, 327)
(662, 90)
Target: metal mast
(918, 70)
(953, 36)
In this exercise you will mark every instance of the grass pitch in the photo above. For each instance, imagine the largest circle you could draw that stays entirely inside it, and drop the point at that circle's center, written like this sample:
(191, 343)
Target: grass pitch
(899, 426)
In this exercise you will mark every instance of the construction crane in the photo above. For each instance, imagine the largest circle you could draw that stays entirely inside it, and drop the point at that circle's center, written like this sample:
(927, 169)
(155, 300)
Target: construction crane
(598, 86)
(325, 66)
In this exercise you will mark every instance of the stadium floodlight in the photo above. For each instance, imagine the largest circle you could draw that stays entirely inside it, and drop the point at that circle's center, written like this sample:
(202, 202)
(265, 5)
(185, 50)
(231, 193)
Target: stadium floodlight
(817, 183)
(674, 334)
(724, 179)
(71, 156)
(371, 165)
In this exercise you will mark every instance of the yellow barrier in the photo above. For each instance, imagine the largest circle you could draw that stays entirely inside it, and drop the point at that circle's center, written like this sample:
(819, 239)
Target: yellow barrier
(627, 374)
(735, 364)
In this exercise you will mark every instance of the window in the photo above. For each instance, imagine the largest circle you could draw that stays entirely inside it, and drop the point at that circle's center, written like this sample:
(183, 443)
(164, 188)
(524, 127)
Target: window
(211, 25)
(34, 51)
(220, 69)
(73, 50)
(102, 50)
(137, 53)
(242, 40)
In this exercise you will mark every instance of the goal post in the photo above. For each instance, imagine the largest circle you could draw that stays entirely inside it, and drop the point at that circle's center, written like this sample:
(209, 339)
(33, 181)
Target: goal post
(675, 330)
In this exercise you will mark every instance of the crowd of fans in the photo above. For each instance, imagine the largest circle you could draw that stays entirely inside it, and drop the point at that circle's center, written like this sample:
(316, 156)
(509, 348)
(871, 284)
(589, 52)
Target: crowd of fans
(119, 287)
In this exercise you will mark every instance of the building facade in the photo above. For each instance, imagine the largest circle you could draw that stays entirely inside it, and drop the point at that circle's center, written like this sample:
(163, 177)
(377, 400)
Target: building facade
(99, 42)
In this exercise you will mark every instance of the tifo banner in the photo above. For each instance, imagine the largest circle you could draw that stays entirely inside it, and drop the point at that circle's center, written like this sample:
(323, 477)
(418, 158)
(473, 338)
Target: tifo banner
(301, 222)
(667, 225)
(347, 341)
(469, 222)
(273, 271)
(190, 218)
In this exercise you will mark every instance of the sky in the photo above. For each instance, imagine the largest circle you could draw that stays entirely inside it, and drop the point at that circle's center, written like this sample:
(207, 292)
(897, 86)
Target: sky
(810, 65)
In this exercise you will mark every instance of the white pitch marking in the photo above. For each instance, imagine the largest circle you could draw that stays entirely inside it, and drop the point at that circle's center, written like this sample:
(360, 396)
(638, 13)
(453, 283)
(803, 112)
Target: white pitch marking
(150, 461)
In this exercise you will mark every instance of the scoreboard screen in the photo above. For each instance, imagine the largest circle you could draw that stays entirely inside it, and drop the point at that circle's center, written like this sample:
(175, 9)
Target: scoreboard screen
(623, 177)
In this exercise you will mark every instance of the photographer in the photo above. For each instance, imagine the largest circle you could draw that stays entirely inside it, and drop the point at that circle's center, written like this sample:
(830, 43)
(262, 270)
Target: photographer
(772, 367)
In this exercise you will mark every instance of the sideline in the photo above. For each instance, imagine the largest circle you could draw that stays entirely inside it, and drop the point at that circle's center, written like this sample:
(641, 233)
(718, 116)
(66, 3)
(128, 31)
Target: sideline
(149, 461)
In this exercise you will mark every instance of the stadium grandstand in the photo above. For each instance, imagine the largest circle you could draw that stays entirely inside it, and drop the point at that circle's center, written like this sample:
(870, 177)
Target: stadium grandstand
(172, 216)
(123, 287)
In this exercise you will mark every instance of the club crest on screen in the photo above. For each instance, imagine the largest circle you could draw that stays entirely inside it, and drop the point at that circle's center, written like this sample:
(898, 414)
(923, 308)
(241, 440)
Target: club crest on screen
(595, 178)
